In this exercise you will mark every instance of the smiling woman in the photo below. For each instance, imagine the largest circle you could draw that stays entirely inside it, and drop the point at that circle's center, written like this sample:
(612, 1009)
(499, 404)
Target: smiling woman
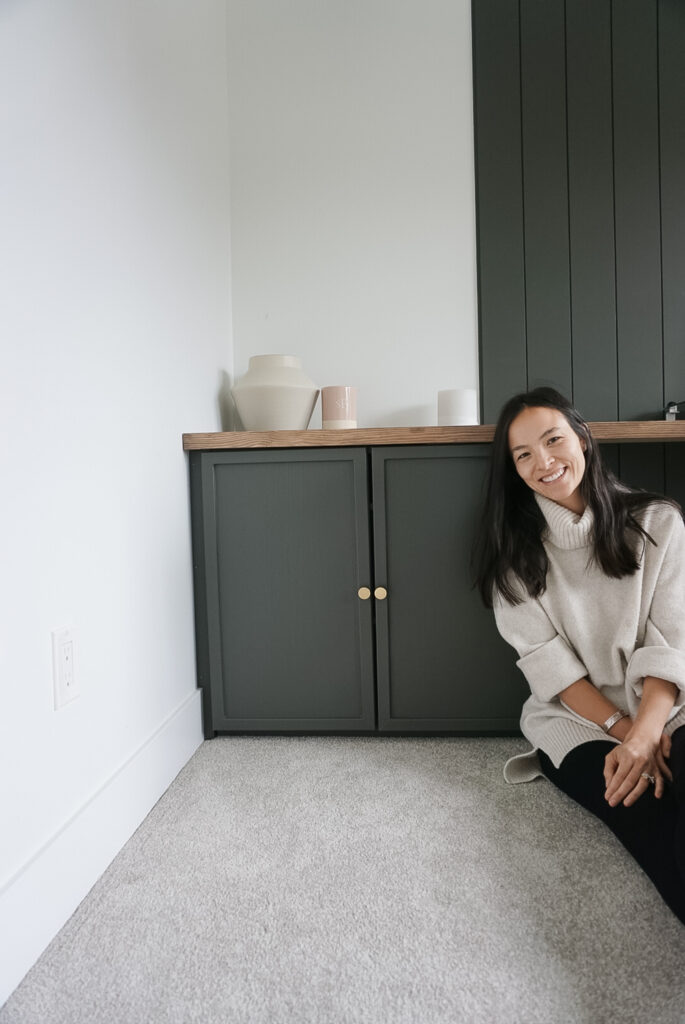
(587, 581)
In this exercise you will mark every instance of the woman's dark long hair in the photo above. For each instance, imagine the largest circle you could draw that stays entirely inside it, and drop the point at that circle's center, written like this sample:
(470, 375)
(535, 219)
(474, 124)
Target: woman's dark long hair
(509, 540)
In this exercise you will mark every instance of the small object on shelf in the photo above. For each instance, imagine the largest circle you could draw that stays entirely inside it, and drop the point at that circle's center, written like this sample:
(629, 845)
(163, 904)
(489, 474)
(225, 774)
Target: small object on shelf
(275, 394)
(457, 407)
(675, 411)
(338, 408)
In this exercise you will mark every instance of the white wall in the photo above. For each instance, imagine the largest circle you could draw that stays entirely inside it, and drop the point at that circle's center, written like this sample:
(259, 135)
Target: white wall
(115, 329)
(353, 246)
(352, 196)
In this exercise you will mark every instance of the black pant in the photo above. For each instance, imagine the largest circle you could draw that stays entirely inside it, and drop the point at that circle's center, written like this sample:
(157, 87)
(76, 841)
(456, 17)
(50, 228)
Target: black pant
(653, 831)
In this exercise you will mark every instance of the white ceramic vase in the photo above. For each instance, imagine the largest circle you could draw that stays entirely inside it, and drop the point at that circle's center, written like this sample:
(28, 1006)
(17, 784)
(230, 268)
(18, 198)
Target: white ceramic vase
(275, 394)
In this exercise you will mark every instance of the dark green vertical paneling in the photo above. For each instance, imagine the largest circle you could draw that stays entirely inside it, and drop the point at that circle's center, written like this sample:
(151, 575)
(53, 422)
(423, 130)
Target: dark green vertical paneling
(601, 299)
(591, 208)
(638, 234)
(638, 240)
(497, 127)
(545, 193)
(672, 133)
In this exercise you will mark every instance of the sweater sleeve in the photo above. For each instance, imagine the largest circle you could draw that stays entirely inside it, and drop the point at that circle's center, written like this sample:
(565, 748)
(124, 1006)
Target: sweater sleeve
(546, 659)
(662, 653)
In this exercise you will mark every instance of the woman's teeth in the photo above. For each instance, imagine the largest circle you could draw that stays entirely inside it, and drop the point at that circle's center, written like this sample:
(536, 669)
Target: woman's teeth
(554, 476)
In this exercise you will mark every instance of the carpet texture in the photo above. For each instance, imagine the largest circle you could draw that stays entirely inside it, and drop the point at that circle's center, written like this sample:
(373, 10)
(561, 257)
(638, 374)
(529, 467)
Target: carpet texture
(329, 880)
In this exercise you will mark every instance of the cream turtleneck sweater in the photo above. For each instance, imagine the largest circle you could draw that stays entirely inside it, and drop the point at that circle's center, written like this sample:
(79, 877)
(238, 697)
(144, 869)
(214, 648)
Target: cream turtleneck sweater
(586, 624)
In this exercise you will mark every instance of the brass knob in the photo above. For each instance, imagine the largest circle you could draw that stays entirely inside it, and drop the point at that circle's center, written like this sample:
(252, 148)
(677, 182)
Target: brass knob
(380, 593)
(364, 593)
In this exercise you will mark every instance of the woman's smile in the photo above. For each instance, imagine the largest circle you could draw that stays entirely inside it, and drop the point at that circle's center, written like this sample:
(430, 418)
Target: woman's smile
(555, 476)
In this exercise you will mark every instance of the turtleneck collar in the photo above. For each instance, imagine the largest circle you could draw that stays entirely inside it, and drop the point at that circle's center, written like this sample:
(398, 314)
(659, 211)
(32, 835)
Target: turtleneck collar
(565, 529)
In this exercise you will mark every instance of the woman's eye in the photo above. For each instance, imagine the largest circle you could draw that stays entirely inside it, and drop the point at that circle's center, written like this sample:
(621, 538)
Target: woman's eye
(551, 440)
(522, 455)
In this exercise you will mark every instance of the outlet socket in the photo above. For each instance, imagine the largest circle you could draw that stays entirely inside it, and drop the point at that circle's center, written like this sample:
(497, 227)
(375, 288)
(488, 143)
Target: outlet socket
(63, 670)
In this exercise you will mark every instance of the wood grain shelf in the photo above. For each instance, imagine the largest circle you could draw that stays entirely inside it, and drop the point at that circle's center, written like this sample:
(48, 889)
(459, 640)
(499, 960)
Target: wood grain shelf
(635, 431)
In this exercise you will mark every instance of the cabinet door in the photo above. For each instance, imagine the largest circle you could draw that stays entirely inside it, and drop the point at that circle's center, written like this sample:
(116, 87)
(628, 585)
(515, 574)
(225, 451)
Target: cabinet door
(282, 546)
(441, 664)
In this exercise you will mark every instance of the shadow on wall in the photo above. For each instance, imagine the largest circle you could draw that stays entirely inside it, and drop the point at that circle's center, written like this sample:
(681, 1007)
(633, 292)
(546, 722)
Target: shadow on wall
(228, 414)
(410, 416)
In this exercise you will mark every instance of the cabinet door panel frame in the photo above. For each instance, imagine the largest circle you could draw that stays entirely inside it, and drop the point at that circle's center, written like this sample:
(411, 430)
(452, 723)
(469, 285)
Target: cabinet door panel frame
(214, 661)
(436, 646)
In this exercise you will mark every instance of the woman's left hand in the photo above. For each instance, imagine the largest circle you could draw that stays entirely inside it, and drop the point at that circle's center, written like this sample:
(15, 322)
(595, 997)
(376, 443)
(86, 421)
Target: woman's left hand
(626, 766)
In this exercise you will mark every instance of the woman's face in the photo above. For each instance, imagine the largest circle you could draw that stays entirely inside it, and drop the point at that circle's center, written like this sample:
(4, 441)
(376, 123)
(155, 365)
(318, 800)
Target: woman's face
(549, 456)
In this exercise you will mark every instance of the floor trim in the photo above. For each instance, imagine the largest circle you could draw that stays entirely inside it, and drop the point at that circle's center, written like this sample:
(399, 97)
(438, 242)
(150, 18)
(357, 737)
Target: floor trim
(38, 899)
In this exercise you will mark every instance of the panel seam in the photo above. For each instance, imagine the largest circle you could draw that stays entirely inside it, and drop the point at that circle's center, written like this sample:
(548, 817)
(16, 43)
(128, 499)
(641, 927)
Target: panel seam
(661, 215)
(613, 181)
(523, 204)
(568, 206)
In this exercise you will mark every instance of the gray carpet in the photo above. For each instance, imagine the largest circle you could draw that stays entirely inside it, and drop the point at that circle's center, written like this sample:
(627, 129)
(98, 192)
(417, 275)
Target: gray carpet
(361, 881)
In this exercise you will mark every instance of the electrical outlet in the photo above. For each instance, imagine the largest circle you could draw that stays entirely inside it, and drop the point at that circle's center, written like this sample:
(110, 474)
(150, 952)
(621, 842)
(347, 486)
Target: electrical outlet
(63, 672)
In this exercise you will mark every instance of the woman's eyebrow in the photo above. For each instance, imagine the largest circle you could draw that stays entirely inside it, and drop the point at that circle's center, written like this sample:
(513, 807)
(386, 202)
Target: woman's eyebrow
(551, 430)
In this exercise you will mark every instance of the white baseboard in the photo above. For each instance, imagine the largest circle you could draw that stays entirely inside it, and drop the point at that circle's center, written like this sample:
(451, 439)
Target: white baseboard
(41, 897)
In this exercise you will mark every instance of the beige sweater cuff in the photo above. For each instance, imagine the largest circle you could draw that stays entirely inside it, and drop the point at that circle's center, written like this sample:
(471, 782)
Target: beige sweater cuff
(550, 668)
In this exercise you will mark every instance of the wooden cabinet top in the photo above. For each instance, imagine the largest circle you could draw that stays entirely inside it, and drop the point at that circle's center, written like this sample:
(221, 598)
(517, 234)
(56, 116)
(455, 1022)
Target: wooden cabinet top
(627, 430)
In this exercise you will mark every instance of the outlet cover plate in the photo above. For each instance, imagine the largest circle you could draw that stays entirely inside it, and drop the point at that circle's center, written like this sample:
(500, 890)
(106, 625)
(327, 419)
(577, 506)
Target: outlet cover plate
(63, 669)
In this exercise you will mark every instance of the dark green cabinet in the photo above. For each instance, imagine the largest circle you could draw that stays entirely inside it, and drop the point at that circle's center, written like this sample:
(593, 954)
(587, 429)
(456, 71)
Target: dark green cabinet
(285, 541)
